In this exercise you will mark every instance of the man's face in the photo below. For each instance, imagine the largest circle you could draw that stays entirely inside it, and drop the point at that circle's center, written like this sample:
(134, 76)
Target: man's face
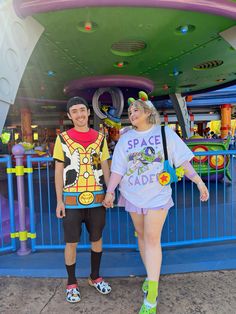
(114, 134)
(79, 114)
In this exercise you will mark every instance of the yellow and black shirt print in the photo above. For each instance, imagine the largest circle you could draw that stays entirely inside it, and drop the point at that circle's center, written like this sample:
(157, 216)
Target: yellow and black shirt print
(82, 165)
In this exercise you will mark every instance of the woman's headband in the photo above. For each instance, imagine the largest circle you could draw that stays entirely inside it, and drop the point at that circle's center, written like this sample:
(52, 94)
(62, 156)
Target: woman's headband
(143, 97)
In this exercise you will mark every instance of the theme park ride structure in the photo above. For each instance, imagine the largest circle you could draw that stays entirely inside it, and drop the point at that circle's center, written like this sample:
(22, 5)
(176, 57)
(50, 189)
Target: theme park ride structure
(213, 167)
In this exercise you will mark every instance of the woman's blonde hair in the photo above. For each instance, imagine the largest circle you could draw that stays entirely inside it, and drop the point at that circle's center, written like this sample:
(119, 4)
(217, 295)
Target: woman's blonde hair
(148, 107)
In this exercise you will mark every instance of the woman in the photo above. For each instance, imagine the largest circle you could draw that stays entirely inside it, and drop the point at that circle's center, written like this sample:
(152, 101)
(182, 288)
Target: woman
(137, 166)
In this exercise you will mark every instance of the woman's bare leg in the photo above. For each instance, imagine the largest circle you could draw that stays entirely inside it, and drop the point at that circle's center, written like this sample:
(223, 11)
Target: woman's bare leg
(138, 221)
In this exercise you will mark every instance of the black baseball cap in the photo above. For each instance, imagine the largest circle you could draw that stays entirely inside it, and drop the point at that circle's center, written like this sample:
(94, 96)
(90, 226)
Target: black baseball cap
(76, 101)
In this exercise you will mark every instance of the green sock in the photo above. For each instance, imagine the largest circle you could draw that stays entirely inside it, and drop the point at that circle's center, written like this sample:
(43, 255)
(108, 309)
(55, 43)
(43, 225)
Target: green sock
(152, 291)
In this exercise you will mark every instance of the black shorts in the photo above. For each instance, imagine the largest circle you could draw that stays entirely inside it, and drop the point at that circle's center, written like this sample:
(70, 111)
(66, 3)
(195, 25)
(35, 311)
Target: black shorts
(94, 219)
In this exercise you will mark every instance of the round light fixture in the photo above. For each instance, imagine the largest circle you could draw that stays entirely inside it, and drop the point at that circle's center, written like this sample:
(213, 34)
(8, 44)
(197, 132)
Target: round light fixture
(87, 27)
(185, 29)
(120, 64)
(165, 87)
(51, 73)
(175, 73)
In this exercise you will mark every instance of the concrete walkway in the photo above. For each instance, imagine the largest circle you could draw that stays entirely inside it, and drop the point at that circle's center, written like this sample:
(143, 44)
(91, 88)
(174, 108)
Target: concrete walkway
(207, 292)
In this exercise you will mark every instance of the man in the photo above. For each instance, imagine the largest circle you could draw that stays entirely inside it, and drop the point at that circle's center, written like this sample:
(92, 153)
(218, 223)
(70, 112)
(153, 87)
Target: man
(81, 168)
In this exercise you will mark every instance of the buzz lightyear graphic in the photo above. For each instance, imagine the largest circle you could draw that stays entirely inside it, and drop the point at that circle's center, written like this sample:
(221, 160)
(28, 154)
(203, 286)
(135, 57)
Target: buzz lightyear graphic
(142, 159)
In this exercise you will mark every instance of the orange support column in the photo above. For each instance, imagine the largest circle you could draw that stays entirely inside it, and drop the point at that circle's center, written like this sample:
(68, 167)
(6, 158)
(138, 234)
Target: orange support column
(225, 120)
(191, 123)
(26, 125)
(166, 119)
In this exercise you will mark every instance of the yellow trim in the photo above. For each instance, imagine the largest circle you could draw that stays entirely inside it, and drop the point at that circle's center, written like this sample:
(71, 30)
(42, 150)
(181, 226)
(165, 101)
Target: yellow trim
(11, 170)
(23, 235)
(31, 235)
(14, 235)
(28, 170)
(19, 170)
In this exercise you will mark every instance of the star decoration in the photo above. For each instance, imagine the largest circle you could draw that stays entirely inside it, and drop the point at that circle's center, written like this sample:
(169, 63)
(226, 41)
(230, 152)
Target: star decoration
(164, 178)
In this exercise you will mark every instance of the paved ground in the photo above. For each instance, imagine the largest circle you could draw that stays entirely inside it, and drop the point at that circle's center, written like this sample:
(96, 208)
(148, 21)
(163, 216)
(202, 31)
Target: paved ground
(208, 292)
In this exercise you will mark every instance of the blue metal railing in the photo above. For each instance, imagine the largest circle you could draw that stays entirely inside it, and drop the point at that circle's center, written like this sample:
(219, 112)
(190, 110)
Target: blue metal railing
(189, 222)
(195, 222)
(7, 210)
(118, 233)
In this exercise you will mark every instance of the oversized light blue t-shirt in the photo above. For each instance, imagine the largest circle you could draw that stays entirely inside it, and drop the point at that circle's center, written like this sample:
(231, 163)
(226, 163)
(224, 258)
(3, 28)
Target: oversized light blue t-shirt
(139, 158)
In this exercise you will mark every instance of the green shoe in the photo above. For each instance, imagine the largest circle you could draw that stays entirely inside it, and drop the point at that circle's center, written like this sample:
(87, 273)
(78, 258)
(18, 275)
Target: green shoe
(145, 286)
(148, 309)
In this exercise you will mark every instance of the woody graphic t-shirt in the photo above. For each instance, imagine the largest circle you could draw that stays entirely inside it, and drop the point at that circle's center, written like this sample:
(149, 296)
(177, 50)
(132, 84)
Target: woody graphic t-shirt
(82, 154)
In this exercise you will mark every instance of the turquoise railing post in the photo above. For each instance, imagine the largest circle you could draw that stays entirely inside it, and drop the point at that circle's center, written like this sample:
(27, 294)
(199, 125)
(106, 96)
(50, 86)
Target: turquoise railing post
(18, 152)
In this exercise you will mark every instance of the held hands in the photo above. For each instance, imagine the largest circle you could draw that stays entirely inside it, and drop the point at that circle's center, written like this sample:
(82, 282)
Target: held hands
(204, 194)
(109, 200)
(60, 210)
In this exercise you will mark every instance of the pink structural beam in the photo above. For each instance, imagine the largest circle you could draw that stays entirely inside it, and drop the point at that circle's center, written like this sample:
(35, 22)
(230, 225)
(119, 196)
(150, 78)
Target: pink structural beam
(225, 8)
(109, 81)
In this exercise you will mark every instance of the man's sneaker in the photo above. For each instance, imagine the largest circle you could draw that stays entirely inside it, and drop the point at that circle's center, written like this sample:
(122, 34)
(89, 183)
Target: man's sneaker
(72, 293)
(99, 284)
(145, 286)
(148, 308)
